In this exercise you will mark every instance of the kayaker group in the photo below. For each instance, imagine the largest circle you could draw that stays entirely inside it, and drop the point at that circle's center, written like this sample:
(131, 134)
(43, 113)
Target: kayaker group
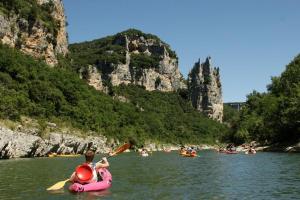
(231, 149)
(94, 176)
(188, 152)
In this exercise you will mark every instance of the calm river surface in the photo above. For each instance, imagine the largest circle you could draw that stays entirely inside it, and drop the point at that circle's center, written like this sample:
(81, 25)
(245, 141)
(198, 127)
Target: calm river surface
(162, 176)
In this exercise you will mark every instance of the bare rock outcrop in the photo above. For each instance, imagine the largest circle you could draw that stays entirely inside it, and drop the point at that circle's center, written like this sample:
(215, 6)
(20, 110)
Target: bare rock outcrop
(16, 144)
(205, 89)
(33, 35)
(147, 61)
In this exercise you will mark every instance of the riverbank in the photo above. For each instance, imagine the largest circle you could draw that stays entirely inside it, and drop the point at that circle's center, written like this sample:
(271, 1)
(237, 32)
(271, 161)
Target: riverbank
(23, 141)
(21, 144)
(172, 147)
(285, 148)
(291, 148)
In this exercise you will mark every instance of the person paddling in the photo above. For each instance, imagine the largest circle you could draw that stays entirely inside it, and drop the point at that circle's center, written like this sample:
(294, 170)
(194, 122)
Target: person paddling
(90, 172)
(251, 150)
(85, 171)
(230, 147)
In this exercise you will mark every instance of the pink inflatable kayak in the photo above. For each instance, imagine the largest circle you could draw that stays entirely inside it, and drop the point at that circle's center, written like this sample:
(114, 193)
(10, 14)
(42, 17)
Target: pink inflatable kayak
(96, 186)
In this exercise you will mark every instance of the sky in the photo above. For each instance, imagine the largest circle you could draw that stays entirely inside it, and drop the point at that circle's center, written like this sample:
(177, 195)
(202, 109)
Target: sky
(249, 40)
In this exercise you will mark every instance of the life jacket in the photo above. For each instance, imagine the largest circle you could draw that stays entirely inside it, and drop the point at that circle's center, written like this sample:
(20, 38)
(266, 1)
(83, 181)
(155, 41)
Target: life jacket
(95, 177)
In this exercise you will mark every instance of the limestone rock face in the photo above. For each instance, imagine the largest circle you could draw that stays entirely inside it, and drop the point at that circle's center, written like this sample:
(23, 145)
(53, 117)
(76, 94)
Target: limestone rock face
(92, 75)
(35, 37)
(15, 144)
(205, 89)
(162, 74)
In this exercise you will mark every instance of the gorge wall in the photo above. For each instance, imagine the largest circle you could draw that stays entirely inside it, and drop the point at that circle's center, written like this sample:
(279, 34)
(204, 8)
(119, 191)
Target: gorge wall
(37, 28)
(131, 57)
(162, 74)
(205, 89)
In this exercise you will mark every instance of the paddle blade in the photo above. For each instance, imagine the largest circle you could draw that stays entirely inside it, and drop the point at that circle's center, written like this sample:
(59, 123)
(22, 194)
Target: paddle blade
(121, 149)
(58, 185)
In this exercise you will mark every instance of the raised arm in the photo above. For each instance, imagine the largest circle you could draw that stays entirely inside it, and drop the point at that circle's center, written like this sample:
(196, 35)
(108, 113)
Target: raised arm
(102, 163)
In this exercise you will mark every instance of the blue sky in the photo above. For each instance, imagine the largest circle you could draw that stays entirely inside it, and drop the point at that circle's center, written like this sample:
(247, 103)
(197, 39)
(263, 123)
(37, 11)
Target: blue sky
(249, 40)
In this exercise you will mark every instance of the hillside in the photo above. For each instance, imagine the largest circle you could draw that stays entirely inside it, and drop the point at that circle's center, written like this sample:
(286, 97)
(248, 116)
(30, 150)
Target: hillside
(47, 102)
(30, 88)
(134, 57)
(128, 57)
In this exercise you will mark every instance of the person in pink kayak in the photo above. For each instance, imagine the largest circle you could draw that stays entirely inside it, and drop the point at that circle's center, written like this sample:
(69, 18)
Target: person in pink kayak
(90, 172)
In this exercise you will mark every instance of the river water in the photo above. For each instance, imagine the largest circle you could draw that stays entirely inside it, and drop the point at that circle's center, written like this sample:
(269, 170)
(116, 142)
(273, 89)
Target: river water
(162, 176)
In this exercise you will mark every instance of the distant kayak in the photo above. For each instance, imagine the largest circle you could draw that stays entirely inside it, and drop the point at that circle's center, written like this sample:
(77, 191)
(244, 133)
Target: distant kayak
(186, 154)
(231, 152)
(144, 154)
(227, 152)
(63, 155)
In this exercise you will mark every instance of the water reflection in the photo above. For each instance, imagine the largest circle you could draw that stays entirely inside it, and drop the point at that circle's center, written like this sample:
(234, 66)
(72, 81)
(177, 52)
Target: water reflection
(92, 195)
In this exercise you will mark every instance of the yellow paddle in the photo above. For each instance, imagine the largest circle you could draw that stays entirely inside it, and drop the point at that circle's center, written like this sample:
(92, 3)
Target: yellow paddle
(61, 184)
(58, 185)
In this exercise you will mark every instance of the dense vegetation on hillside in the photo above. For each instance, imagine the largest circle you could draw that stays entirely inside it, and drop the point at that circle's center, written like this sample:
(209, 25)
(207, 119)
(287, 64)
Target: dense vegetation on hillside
(231, 118)
(100, 52)
(29, 87)
(272, 117)
(169, 116)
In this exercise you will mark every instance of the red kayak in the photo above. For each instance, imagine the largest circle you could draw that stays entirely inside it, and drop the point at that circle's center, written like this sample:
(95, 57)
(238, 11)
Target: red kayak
(228, 152)
(231, 152)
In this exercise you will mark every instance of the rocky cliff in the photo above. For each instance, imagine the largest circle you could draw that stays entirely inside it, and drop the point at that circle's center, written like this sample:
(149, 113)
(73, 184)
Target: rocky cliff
(205, 89)
(133, 57)
(129, 57)
(36, 27)
(25, 143)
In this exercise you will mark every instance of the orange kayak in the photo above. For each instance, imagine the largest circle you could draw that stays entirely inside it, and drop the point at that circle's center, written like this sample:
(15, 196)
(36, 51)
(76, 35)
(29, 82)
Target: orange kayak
(186, 154)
